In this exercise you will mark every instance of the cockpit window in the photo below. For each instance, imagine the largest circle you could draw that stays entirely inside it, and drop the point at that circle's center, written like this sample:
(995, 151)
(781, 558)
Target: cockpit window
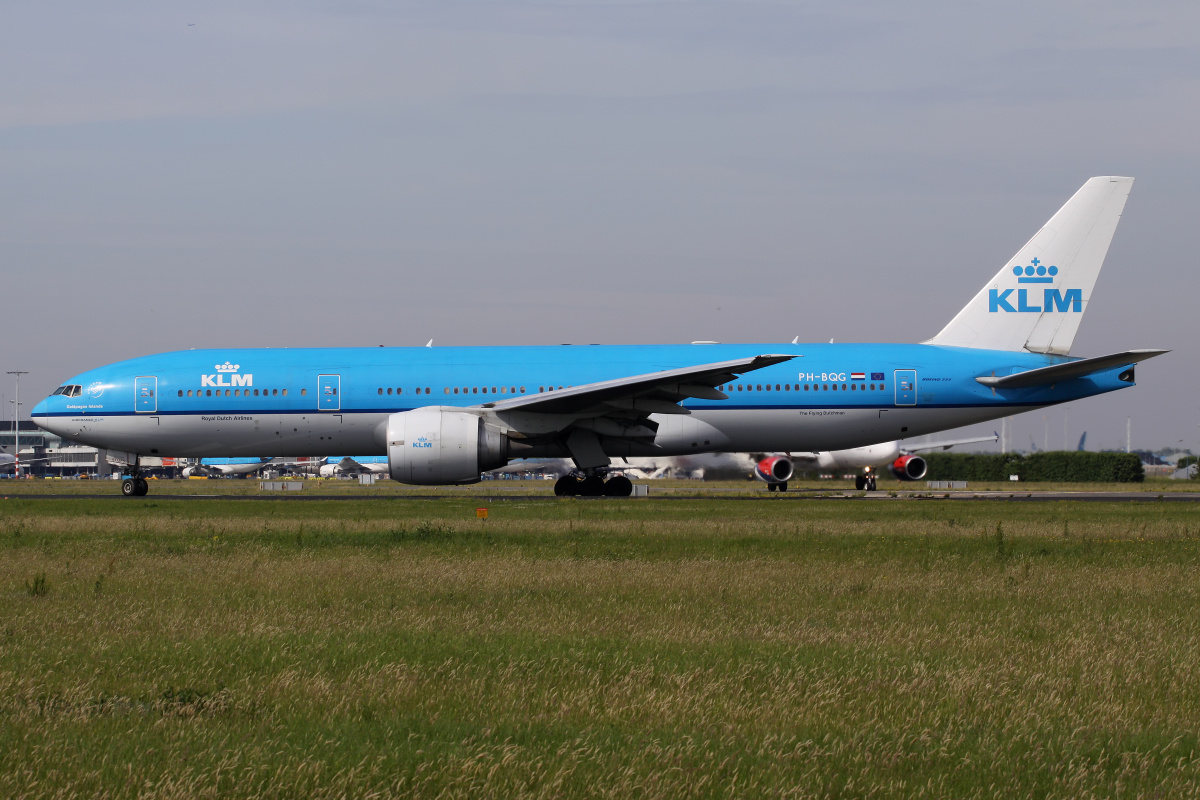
(59, 390)
(69, 390)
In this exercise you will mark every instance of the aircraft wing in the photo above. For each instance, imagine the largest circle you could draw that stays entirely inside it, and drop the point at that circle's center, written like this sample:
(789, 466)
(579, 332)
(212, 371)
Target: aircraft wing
(640, 395)
(1056, 373)
(915, 448)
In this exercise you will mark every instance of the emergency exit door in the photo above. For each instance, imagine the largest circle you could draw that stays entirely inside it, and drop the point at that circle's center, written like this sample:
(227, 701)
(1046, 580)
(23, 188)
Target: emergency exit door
(329, 391)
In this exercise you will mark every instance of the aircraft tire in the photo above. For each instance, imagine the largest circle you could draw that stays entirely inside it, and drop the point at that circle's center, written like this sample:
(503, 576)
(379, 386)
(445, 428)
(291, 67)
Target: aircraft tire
(772, 487)
(129, 487)
(871, 484)
(143, 488)
(783, 486)
(860, 482)
(566, 486)
(619, 486)
(591, 486)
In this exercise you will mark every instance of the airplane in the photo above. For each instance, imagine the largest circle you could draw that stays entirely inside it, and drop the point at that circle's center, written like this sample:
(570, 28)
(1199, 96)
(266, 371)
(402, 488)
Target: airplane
(362, 465)
(899, 458)
(228, 467)
(444, 415)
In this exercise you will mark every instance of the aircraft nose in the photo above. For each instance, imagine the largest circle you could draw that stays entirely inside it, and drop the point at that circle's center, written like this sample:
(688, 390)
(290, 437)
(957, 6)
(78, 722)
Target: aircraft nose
(41, 409)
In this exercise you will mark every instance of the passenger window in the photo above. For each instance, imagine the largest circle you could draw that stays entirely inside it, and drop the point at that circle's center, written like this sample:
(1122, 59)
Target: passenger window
(522, 390)
(381, 390)
(181, 392)
(274, 391)
(285, 392)
(456, 390)
(398, 391)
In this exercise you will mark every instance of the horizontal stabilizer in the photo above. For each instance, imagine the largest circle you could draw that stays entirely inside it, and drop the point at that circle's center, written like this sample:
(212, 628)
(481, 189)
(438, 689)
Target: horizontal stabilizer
(946, 445)
(1065, 372)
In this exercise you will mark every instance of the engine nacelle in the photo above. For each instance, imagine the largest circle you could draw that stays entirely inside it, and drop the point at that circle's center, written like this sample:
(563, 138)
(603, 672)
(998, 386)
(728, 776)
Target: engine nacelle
(774, 469)
(909, 468)
(442, 446)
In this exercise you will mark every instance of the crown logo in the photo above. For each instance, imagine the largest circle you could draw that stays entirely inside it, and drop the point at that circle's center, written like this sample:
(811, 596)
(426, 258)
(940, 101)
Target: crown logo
(227, 367)
(1036, 272)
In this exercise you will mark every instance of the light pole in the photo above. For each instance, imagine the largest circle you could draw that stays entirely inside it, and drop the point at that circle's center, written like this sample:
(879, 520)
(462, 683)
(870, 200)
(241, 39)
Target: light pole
(17, 422)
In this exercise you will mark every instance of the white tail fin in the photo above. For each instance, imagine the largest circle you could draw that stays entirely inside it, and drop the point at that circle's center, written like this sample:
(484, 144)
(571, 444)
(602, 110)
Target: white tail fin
(1037, 301)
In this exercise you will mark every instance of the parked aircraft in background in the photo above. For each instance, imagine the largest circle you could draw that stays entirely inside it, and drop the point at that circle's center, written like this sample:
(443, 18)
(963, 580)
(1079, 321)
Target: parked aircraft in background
(899, 458)
(360, 465)
(229, 467)
(444, 415)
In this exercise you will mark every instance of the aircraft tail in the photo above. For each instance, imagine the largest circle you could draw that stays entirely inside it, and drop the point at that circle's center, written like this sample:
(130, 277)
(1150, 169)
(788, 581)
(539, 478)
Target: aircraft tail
(1036, 302)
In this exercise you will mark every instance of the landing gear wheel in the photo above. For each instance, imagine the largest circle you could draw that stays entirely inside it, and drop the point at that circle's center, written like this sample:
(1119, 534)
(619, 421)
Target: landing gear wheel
(143, 487)
(871, 484)
(783, 486)
(591, 486)
(860, 482)
(566, 486)
(772, 487)
(619, 486)
(129, 487)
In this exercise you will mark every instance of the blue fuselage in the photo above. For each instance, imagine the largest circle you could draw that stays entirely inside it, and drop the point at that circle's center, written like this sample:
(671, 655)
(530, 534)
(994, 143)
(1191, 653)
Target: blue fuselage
(289, 402)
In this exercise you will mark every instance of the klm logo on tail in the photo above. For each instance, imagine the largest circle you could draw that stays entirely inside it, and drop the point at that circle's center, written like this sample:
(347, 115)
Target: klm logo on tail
(1052, 299)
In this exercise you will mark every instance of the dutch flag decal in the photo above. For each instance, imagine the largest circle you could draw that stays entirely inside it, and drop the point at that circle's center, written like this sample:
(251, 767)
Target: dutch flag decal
(858, 376)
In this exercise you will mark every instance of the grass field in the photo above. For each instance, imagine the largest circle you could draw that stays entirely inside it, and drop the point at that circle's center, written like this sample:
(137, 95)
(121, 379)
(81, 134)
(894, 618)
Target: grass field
(692, 648)
(543, 488)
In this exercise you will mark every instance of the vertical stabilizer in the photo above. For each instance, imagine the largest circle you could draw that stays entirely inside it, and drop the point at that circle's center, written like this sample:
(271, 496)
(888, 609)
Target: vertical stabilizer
(1036, 302)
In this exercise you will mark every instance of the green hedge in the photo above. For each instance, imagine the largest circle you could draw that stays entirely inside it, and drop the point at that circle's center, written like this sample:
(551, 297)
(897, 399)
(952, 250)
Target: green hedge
(1064, 466)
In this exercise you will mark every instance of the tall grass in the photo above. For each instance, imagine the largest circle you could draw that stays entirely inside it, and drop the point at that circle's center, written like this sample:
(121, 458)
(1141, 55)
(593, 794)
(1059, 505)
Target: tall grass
(694, 649)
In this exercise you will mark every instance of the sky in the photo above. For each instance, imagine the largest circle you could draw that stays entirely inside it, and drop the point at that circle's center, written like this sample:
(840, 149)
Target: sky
(291, 174)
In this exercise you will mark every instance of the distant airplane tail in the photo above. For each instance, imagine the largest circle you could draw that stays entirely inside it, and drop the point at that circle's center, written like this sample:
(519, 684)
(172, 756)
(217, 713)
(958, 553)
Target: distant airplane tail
(1036, 302)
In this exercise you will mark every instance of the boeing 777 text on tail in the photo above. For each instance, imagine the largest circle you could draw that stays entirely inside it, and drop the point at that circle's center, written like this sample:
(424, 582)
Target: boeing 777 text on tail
(444, 415)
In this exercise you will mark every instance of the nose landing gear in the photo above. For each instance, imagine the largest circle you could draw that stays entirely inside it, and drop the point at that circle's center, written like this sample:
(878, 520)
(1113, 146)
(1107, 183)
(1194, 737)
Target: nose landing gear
(133, 484)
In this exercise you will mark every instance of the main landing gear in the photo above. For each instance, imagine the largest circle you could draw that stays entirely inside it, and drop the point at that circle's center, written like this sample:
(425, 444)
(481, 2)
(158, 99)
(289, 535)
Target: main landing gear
(593, 485)
(777, 487)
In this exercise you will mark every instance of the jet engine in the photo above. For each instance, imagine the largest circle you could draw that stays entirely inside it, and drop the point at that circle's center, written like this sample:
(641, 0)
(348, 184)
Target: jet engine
(774, 469)
(442, 446)
(909, 468)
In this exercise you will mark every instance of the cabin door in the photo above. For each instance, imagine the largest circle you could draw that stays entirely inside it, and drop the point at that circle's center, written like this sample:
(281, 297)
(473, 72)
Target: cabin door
(145, 394)
(329, 391)
(906, 387)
